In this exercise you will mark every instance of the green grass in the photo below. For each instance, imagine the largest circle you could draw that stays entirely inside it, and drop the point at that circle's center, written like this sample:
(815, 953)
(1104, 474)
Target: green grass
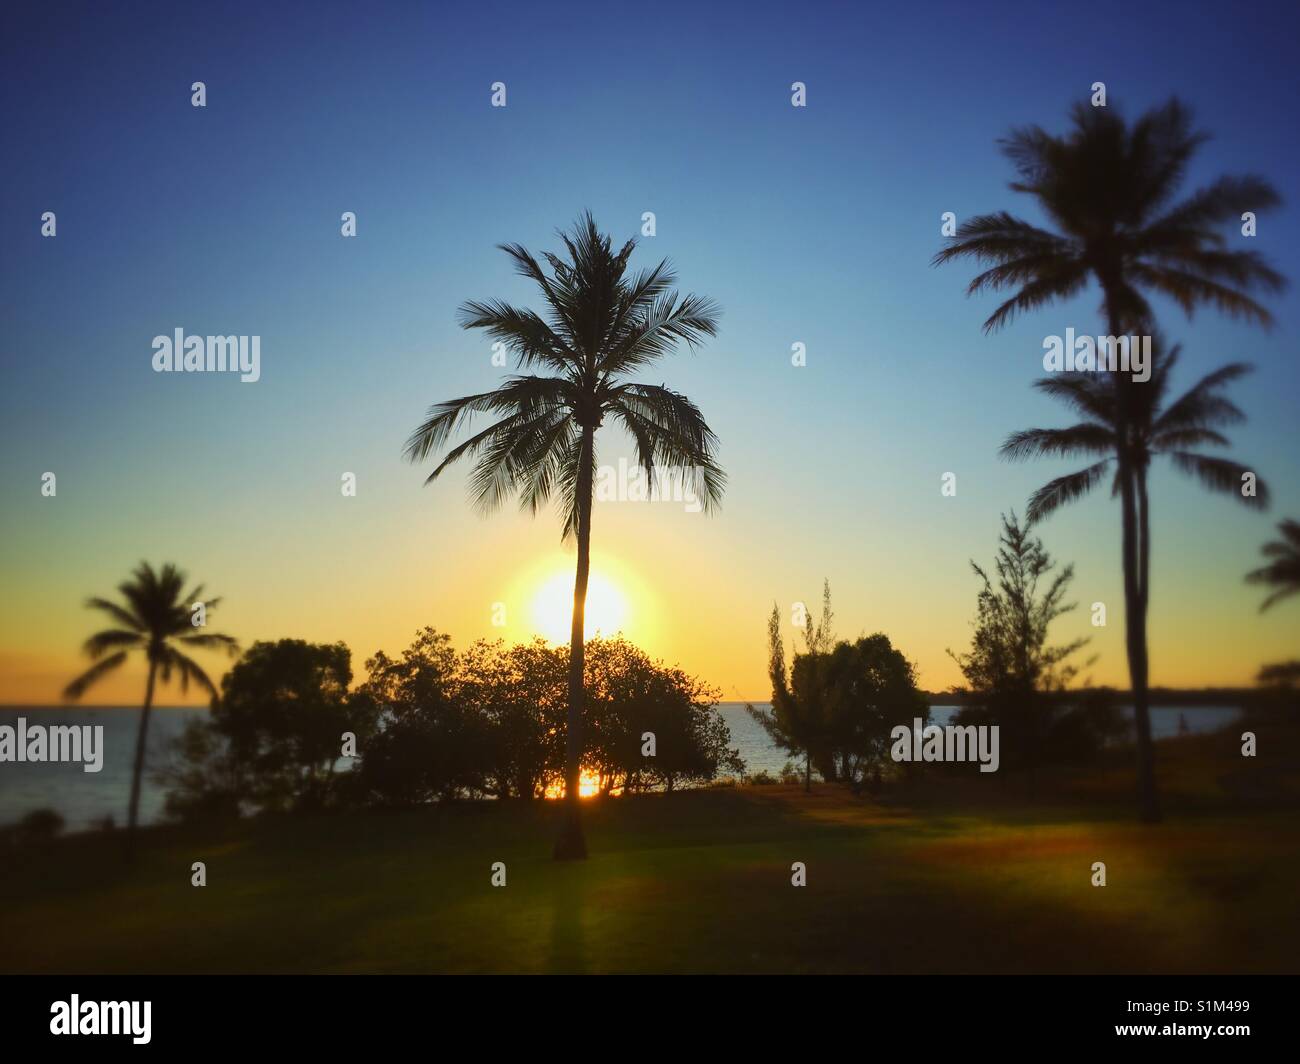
(694, 882)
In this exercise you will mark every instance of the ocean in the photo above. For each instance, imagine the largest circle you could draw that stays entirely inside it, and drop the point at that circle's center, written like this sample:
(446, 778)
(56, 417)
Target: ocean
(84, 799)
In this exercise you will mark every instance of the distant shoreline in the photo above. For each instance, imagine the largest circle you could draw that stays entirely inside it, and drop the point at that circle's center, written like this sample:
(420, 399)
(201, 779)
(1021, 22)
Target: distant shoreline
(1190, 698)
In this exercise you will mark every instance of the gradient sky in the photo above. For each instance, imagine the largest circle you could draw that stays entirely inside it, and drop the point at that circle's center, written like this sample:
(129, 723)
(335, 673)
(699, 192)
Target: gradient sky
(812, 225)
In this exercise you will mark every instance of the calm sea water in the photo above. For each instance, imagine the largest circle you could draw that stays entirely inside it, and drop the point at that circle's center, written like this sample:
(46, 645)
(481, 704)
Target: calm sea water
(85, 798)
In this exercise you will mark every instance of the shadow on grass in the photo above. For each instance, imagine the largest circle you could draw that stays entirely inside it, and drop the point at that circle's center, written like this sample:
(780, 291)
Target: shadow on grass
(696, 881)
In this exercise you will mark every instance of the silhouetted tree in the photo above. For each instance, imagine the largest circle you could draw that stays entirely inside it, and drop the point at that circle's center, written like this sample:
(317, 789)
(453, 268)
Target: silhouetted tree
(1283, 674)
(1107, 188)
(430, 742)
(840, 701)
(284, 709)
(600, 324)
(1011, 666)
(522, 692)
(630, 696)
(797, 720)
(1282, 573)
(155, 618)
(870, 687)
(1156, 427)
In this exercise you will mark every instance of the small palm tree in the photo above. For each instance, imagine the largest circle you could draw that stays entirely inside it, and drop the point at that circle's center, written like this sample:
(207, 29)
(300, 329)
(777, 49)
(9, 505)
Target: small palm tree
(1282, 573)
(1107, 187)
(599, 325)
(1176, 430)
(154, 618)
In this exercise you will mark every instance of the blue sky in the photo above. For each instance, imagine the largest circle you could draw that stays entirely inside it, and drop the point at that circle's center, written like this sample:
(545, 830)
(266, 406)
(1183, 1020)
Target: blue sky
(811, 225)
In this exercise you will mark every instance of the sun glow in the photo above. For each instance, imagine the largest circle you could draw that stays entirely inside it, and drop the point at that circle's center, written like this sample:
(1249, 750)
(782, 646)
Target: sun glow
(552, 610)
(588, 785)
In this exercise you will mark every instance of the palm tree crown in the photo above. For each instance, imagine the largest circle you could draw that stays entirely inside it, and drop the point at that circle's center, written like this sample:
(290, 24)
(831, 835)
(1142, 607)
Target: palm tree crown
(1176, 430)
(600, 324)
(1108, 187)
(1282, 573)
(154, 618)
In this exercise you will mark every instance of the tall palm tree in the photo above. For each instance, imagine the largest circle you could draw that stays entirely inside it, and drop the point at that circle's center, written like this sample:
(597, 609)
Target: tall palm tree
(599, 324)
(1282, 573)
(154, 618)
(1107, 189)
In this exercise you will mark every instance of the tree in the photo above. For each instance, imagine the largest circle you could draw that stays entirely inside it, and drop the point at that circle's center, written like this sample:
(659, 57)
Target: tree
(1107, 187)
(154, 618)
(630, 696)
(1011, 665)
(1177, 430)
(1282, 573)
(797, 720)
(870, 687)
(283, 711)
(204, 780)
(1283, 674)
(521, 693)
(431, 742)
(840, 700)
(600, 324)
(1282, 576)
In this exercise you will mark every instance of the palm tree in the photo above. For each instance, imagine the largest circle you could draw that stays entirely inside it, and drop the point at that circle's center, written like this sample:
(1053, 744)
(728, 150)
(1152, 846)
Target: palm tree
(154, 618)
(1107, 188)
(1282, 573)
(599, 324)
(1176, 430)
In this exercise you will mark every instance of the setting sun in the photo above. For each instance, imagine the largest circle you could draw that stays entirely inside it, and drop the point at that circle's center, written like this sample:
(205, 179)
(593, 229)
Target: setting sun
(552, 610)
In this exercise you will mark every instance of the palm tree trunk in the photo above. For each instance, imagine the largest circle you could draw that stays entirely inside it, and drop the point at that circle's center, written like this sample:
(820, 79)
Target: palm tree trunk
(571, 844)
(1136, 642)
(1133, 553)
(133, 809)
(1150, 795)
(1144, 541)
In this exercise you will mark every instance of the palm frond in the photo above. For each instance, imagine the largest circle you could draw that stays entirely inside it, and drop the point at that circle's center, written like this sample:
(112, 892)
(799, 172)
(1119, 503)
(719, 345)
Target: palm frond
(93, 675)
(188, 668)
(1084, 438)
(1189, 290)
(1182, 439)
(523, 332)
(125, 617)
(1038, 293)
(670, 320)
(213, 641)
(1189, 224)
(1201, 406)
(101, 643)
(1002, 238)
(1221, 475)
(1064, 490)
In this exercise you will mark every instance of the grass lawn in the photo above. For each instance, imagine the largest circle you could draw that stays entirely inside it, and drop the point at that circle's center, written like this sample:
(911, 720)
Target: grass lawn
(968, 880)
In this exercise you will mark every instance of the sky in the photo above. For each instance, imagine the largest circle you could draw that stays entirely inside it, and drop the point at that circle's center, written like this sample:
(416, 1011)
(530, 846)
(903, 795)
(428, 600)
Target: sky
(812, 225)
